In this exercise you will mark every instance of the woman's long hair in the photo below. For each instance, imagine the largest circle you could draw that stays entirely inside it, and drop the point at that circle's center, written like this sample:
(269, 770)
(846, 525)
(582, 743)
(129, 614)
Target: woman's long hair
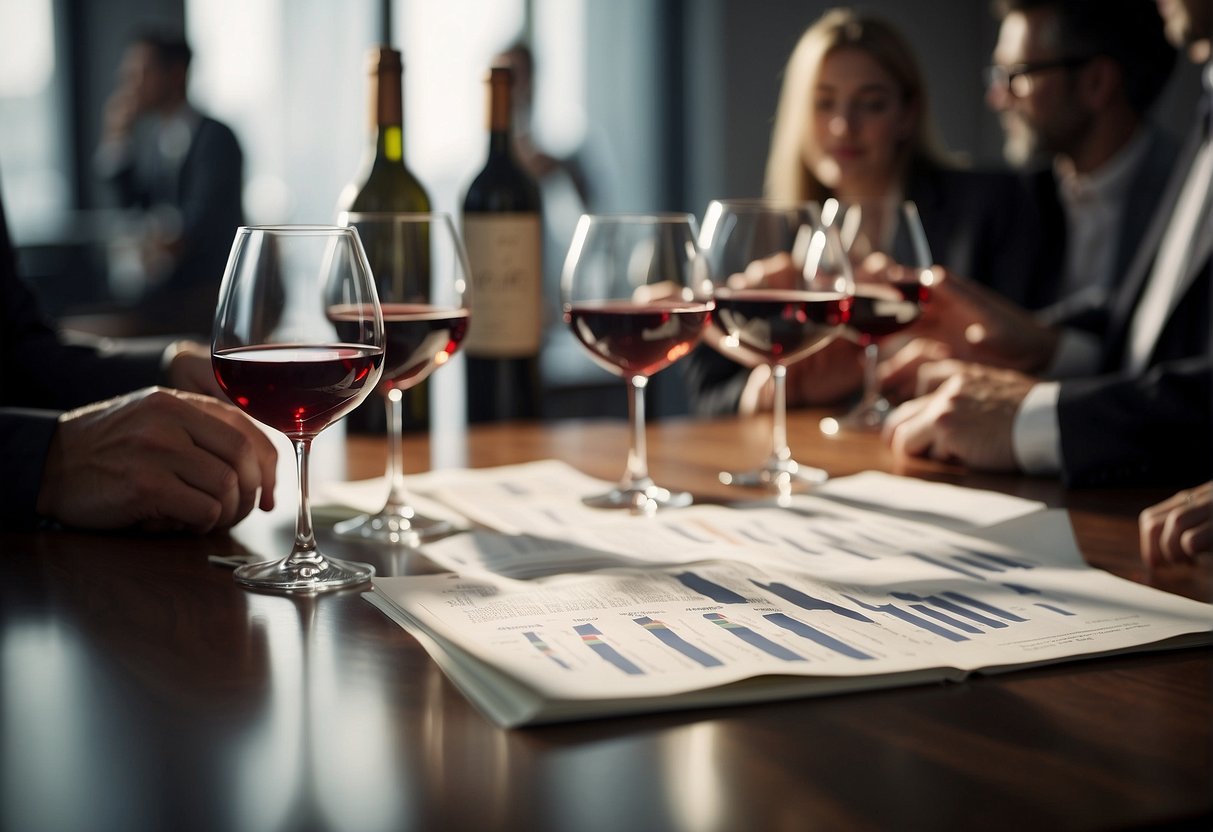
(788, 174)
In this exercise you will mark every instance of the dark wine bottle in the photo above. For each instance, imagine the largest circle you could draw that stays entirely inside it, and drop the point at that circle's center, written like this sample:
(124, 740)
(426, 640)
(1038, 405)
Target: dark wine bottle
(385, 184)
(503, 234)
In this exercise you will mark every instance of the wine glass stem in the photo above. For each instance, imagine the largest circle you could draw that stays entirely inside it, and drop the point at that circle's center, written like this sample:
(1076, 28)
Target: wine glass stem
(638, 454)
(397, 500)
(779, 414)
(871, 388)
(305, 538)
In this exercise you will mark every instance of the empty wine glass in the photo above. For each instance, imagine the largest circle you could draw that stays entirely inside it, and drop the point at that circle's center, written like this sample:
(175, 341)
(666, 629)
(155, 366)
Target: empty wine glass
(636, 297)
(421, 273)
(877, 235)
(298, 344)
(783, 290)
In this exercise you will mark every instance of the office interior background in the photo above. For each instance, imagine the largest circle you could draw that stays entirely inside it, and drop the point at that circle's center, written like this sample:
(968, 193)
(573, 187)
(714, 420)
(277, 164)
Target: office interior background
(665, 104)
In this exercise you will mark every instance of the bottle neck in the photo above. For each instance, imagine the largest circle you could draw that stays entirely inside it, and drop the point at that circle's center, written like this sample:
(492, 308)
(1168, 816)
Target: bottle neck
(499, 143)
(387, 105)
(499, 113)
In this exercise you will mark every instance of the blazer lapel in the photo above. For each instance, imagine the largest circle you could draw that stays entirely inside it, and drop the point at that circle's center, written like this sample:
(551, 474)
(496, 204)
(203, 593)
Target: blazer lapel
(1135, 278)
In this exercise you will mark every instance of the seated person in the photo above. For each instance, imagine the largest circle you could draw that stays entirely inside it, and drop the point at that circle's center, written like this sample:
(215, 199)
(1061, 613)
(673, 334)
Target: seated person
(853, 122)
(1073, 83)
(154, 459)
(1131, 403)
(181, 175)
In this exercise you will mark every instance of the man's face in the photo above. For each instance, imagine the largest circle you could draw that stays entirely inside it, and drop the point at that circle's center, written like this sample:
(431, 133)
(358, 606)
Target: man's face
(143, 77)
(1039, 111)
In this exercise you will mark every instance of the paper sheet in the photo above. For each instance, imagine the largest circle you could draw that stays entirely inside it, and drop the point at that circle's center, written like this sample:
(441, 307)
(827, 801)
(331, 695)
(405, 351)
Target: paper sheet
(604, 638)
(726, 604)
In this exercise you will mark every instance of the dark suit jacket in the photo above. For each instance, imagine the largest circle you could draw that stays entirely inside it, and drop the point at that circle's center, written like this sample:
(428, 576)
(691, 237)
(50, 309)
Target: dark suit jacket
(1145, 191)
(1155, 428)
(206, 190)
(40, 375)
(981, 224)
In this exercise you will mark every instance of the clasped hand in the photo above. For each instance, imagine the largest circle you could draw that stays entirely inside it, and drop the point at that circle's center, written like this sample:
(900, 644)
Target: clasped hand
(965, 377)
(159, 459)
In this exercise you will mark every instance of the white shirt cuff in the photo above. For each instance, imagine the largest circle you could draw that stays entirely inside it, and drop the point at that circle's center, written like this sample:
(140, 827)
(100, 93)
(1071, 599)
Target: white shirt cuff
(1035, 437)
(1077, 355)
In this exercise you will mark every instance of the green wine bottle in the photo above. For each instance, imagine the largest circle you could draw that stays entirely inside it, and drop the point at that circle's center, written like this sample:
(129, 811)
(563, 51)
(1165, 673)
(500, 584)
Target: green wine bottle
(385, 184)
(503, 233)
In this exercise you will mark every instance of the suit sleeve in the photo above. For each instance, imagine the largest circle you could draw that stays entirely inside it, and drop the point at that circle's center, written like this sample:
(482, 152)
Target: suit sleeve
(1152, 429)
(40, 369)
(41, 374)
(25, 438)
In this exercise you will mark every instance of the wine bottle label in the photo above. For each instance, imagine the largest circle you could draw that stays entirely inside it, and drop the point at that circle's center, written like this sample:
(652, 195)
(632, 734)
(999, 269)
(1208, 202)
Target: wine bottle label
(505, 254)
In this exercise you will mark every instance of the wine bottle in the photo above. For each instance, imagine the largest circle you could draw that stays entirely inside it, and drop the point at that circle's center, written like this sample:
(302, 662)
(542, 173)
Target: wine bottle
(502, 231)
(385, 184)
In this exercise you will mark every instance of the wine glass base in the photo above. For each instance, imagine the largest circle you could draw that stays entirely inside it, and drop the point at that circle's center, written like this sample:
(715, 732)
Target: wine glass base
(393, 529)
(314, 573)
(866, 417)
(777, 475)
(639, 500)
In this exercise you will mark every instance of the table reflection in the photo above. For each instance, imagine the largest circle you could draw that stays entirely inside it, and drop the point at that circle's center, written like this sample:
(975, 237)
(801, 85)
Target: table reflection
(325, 756)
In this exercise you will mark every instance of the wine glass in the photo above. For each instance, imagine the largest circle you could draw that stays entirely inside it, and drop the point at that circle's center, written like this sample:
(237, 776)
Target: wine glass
(783, 289)
(298, 344)
(421, 272)
(635, 295)
(891, 259)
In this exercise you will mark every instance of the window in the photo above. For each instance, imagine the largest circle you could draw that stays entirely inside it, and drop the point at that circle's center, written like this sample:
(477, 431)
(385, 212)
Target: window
(34, 166)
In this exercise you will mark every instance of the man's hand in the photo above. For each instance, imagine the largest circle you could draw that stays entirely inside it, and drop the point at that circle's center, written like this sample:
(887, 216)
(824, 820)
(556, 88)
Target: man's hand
(189, 369)
(968, 418)
(899, 373)
(157, 459)
(976, 324)
(824, 377)
(1177, 530)
(120, 114)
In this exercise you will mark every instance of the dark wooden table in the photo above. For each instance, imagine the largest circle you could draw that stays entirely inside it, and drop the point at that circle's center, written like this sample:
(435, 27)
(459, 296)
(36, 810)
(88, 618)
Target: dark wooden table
(140, 688)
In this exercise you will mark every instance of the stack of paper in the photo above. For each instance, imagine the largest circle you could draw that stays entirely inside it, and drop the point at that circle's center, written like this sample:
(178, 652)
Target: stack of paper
(557, 612)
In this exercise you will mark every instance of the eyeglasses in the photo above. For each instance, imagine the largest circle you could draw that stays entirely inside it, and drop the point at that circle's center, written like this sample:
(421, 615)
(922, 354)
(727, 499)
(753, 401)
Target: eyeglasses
(1014, 79)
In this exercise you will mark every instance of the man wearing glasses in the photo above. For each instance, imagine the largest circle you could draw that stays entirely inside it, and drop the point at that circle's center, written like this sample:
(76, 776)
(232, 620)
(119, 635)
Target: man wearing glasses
(1128, 404)
(1072, 82)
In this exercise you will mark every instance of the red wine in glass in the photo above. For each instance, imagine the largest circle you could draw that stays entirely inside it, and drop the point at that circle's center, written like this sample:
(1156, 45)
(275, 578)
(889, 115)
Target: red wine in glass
(296, 389)
(634, 339)
(634, 295)
(419, 338)
(881, 309)
(778, 325)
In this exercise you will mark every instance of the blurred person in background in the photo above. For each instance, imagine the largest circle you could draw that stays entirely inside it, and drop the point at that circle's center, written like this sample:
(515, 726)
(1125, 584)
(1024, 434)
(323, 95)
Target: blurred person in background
(1127, 403)
(181, 174)
(854, 123)
(1073, 83)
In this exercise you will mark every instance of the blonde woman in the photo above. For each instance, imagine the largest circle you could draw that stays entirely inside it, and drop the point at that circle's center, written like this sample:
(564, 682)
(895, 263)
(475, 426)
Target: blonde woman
(853, 122)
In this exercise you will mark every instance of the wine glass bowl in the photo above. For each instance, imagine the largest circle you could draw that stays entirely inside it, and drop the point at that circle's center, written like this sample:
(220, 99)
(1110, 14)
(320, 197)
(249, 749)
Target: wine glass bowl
(885, 242)
(283, 356)
(635, 298)
(783, 291)
(421, 274)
